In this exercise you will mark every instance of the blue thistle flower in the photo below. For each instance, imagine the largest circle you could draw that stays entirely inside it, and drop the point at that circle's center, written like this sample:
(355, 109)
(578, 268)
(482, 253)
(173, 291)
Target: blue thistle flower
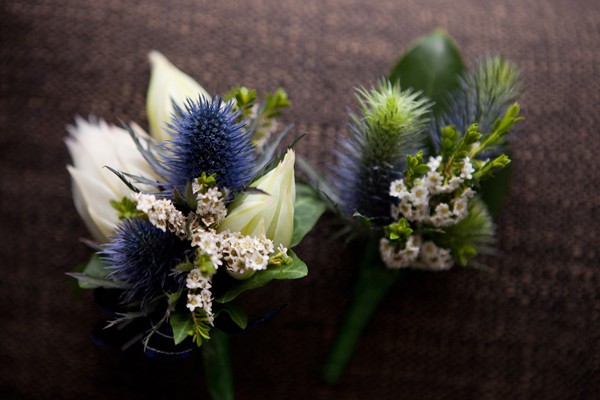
(143, 257)
(208, 139)
(484, 95)
(392, 124)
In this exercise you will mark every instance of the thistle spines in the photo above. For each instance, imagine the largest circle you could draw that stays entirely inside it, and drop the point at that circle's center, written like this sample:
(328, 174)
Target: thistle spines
(391, 124)
(486, 92)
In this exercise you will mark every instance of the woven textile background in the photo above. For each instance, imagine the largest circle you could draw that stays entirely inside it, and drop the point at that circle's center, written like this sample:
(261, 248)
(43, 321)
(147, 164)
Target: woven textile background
(531, 330)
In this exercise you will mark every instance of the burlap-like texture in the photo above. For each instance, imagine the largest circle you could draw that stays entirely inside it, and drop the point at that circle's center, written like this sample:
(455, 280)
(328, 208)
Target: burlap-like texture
(530, 330)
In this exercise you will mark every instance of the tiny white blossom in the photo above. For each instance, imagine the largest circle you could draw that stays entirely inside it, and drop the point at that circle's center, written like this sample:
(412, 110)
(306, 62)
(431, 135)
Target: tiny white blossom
(161, 213)
(468, 193)
(434, 163)
(442, 216)
(459, 208)
(467, 169)
(433, 257)
(419, 195)
(194, 301)
(402, 258)
(406, 209)
(398, 189)
(282, 249)
(434, 182)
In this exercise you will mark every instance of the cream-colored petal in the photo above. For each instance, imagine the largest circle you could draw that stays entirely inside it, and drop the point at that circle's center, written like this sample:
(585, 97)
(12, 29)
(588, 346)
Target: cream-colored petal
(167, 84)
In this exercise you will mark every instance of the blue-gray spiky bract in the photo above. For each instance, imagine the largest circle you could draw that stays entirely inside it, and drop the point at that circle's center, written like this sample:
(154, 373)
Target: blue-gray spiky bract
(143, 257)
(485, 92)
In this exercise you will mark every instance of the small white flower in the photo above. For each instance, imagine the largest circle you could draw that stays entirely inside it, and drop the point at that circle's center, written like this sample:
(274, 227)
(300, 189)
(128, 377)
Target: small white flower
(468, 193)
(161, 213)
(402, 258)
(419, 195)
(434, 163)
(420, 213)
(398, 189)
(460, 207)
(467, 169)
(406, 209)
(433, 257)
(194, 301)
(434, 182)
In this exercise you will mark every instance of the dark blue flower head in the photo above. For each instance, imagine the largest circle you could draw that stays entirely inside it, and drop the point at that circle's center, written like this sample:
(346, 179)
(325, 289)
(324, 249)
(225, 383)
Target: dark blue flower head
(143, 257)
(207, 138)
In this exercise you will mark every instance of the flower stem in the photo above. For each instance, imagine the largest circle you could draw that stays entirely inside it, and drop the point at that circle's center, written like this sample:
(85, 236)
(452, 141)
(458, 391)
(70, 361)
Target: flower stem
(217, 366)
(374, 281)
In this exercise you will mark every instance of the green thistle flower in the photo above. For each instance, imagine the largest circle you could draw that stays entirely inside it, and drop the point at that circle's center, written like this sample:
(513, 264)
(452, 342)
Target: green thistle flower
(391, 124)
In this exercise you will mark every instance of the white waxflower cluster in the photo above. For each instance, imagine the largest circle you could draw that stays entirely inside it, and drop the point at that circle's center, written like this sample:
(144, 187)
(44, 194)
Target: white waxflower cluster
(416, 202)
(211, 204)
(199, 294)
(420, 204)
(399, 258)
(431, 256)
(415, 254)
(246, 252)
(161, 213)
(240, 253)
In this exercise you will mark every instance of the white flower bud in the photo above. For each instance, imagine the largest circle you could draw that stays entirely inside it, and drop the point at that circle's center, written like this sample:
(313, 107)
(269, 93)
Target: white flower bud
(167, 85)
(269, 214)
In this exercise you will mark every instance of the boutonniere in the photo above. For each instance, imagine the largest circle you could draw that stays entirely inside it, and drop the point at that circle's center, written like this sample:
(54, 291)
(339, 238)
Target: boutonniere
(186, 219)
(423, 169)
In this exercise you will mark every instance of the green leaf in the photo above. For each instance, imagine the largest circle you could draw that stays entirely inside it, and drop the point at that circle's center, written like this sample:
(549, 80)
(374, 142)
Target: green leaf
(218, 373)
(94, 275)
(308, 208)
(374, 281)
(294, 270)
(89, 282)
(433, 66)
(182, 324)
(494, 191)
(236, 313)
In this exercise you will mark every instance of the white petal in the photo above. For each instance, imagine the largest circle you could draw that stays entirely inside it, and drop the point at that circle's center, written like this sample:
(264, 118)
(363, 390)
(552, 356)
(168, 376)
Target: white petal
(167, 84)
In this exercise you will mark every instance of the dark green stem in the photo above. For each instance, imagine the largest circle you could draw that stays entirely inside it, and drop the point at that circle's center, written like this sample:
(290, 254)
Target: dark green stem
(374, 281)
(217, 366)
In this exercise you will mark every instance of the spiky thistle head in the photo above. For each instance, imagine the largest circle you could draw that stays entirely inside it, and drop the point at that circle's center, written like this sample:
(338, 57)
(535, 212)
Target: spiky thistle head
(390, 125)
(485, 92)
(207, 138)
(143, 257)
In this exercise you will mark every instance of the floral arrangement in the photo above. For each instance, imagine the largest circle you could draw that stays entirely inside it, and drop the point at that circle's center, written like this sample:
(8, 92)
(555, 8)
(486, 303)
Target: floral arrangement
(187, 218)
(423, 169)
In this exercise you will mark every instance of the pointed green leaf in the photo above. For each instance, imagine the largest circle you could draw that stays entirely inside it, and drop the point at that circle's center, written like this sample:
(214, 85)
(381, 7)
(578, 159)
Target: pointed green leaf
(94, 275)
(374, 281)
(236, 313)
(182, 325)
(494, 191)
(90, 282)
(433, 66)
(294, 270)
(308, 208)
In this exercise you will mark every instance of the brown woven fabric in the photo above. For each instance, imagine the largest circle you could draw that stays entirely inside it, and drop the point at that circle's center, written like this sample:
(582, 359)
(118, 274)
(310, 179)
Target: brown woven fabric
(531, 330)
